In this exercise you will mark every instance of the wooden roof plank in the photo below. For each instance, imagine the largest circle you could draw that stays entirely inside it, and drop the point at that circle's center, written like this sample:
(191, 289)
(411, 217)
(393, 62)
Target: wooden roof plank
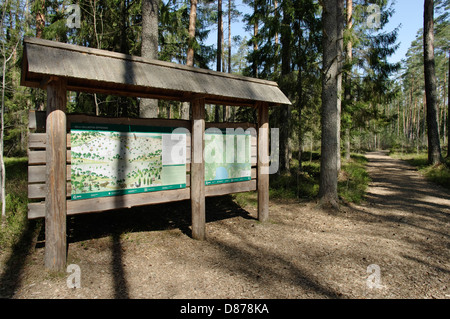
(89, 69)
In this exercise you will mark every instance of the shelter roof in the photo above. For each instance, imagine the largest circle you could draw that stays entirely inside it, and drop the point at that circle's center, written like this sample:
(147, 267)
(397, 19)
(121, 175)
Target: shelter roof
(101, 71)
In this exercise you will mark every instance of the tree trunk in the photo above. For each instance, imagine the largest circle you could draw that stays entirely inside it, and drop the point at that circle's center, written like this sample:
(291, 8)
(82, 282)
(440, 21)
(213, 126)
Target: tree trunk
(148, 108)
(300, 93)
(328, 159)
(192, 21)
(226, 107)
(217, 113)
(185, 106)
(2, 161)
(340, 21)
(219, 52)
(40, 18)
(448, 108)
(123, 26)
(40, 25)
(255, 41)
(219, 37)
(2, 131)
(434, 148)
(348, 96)
(444, 114)
(286, 57)
(418, 129)
(222, 52)
(229, 36)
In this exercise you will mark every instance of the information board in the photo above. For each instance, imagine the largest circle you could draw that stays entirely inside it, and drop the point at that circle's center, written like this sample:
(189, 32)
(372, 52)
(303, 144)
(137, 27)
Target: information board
(227, 156)
(112, 159)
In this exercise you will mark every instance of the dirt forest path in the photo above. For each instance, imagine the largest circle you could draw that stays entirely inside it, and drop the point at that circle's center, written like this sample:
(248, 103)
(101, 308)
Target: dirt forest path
(400, 233)
(418, 213)
(399, 188)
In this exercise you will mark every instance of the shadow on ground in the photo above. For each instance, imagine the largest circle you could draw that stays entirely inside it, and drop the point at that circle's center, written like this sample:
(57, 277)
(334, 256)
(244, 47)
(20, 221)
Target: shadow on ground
(114, 223)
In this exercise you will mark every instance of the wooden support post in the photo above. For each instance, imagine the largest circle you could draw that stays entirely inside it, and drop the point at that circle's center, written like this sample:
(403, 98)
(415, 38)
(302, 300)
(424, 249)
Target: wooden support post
(55, 200)
(198, 169)
(263, 161)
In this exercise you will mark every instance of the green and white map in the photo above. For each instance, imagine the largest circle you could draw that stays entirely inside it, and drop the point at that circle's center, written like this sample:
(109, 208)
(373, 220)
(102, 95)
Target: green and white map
(110, 160)
(227, 157)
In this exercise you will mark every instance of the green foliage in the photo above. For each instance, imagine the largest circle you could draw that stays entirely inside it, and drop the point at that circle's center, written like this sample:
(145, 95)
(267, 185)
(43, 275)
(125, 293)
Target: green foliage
(373, 114)
(408, 104)
(367, 80)
(173, 32)
(246, 199)
(16, 200)
(352, 185)
(297, 185)
(439, 174)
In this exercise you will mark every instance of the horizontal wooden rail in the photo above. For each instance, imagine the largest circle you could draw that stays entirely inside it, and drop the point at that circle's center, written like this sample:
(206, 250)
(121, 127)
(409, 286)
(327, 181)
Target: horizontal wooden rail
(37, 210)
(36, 121)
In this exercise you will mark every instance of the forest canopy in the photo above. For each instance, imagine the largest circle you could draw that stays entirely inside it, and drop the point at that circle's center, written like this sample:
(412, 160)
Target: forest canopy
(382, 103)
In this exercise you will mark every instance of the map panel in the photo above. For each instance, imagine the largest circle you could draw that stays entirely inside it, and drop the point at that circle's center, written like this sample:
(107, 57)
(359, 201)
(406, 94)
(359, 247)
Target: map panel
(227, 157)
(110, 160)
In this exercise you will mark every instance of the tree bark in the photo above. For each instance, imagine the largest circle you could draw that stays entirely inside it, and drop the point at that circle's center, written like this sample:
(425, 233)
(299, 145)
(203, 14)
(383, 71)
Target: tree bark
(434, 148)
(185, 106)
(328, 160)
(40, 19)
(340, 22)
(219, 37)
(2, 131)
(148, 108)
(448, 108)
(40, 25)
(229, 36)
(2, 160)
(286, 57)
(219, 52)
(348, 96)
(192, 21)
(255, 41)
(226, 110)
(299, 129)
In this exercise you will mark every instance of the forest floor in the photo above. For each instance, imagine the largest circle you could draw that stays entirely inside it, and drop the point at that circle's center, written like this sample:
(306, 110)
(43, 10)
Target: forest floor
(402, 227)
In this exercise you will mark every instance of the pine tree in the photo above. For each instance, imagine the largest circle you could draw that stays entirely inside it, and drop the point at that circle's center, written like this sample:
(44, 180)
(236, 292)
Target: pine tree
(434, 148)
(10, 39)
(190, 52)
(348, 71)
(330, 112)
(367, 83)
(148, 108)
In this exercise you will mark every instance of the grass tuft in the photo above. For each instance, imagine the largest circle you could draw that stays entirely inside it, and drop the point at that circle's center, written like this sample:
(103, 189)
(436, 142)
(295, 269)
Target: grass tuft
(16, 200)
(352, 184)
(439, 174)
(354, 179)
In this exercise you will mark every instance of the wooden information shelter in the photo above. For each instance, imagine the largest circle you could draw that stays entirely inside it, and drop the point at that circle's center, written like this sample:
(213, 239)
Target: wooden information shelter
(59, 67)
